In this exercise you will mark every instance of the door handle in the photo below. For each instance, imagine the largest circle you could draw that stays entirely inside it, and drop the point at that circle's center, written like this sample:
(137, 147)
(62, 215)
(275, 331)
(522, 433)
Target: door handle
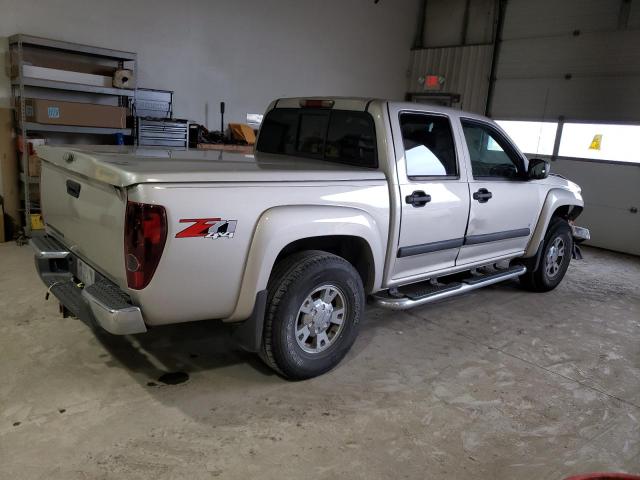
(73, 188)
(418, 198)
(483, 195)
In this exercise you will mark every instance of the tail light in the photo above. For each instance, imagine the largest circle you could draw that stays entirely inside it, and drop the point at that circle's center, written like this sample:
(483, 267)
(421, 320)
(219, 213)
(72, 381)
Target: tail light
(145, 233)
(316, 103)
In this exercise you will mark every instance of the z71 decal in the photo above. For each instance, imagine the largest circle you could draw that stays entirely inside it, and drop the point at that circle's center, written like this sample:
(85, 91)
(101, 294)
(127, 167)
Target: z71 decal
(208, 228)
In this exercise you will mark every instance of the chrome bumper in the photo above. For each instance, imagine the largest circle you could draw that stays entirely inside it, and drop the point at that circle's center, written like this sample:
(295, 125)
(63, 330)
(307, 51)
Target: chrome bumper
(102, 303)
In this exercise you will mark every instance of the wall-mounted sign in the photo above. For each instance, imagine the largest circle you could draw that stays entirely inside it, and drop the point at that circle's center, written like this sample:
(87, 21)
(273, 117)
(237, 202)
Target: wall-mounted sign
(432, 82)
(596, 143)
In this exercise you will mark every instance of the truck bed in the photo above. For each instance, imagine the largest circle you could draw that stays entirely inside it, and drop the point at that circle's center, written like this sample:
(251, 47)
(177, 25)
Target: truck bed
(125, 166)
(86, 192)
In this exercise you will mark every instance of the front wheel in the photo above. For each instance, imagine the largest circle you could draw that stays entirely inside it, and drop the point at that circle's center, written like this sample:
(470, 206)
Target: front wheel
(557, 249)
(315, 303)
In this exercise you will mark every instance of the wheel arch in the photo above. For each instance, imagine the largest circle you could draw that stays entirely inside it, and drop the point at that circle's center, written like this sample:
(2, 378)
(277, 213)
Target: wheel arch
(348, 232)
(356, 250)
(558, 203)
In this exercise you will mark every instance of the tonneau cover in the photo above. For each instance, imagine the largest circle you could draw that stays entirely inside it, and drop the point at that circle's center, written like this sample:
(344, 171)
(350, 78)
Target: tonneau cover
(125, 166)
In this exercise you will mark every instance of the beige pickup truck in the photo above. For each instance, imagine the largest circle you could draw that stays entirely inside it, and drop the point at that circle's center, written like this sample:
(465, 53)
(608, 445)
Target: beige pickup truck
(343, 198)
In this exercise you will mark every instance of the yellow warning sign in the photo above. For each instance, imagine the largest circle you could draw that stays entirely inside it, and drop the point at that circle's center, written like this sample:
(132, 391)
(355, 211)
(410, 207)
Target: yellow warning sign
(596, 142)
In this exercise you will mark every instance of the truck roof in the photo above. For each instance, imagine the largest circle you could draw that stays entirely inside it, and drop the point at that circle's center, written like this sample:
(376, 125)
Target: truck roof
(364, 103)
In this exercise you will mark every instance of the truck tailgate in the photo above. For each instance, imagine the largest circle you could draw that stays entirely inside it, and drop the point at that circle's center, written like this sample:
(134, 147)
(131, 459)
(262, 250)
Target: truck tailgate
(87, 216)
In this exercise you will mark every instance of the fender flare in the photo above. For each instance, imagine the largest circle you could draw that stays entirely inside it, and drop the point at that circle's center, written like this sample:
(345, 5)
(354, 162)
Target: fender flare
(556, 197)
(280, 226)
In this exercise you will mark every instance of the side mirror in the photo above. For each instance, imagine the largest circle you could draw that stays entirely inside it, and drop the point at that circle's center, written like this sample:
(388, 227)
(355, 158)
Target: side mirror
(538, 169)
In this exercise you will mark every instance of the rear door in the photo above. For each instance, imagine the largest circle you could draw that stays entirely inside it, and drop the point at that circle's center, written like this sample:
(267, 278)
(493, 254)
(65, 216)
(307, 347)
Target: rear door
(504, 203)
(433, 190)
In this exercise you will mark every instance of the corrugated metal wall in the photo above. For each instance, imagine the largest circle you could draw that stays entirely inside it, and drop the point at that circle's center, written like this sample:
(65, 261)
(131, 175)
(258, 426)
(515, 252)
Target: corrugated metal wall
(466, 70)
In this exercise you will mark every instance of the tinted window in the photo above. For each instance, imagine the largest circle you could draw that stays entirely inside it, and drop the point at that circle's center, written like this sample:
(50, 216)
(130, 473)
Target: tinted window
(490, 154)
(429, 149)
(279, 132)
(351, 138)
(311, 133)
(337, 135)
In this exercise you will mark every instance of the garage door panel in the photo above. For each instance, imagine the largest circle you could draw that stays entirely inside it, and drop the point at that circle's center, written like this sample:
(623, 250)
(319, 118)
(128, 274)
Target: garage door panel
(604, 184)
(597, 99)
(612, 228)
(541, 18)
(634, 15)
(578, 59)
(609, 191)
(616, 53)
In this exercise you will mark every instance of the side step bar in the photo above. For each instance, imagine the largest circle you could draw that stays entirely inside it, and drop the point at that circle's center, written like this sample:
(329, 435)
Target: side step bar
(467, 285)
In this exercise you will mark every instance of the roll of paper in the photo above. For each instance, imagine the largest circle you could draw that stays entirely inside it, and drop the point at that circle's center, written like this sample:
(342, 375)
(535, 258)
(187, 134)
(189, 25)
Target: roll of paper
(124, 79)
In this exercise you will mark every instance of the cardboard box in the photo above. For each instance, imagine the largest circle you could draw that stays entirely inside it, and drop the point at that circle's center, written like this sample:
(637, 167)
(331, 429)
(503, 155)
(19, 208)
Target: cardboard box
(55, 112)
(34, 166)
(36, 221)
(243, 132)
(32, 142)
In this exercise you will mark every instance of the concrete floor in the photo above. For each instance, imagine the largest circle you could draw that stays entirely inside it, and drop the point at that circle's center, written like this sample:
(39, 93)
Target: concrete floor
(500, 383)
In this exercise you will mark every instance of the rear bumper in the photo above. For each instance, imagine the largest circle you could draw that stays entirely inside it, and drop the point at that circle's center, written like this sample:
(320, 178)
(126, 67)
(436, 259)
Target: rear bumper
(100, 304)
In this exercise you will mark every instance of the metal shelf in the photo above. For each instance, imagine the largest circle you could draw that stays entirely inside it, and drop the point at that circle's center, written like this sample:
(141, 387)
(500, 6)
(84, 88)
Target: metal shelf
(72, 47)
(76, 87)
(18, 44)
(42, 127)
(33, 180)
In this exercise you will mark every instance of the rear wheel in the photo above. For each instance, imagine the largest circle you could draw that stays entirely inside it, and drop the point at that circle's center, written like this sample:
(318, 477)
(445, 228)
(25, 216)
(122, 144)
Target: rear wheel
(557, 248)
(314, 308)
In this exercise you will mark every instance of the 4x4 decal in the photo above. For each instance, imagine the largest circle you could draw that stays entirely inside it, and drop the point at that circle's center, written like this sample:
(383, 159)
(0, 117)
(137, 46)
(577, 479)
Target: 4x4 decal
(208, 228)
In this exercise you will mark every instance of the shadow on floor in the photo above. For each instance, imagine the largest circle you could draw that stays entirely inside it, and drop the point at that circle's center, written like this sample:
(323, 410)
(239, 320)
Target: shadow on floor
(207, 345)
(187, 347)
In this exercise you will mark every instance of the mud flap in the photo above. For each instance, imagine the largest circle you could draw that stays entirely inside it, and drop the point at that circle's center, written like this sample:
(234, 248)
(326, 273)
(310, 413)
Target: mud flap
(248, 334)
(577, 252)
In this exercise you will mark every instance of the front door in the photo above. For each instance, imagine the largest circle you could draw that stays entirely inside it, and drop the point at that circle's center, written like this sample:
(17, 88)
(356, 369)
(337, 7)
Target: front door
(504, 204)
(433, 190)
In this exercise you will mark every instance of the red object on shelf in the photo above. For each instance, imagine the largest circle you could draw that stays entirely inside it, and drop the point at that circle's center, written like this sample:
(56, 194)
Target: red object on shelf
(604, 476)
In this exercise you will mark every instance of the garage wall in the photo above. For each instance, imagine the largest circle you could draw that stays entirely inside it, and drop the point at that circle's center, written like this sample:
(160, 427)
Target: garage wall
(243, 52)
(457, 45)
(465, 69)
(579, 60)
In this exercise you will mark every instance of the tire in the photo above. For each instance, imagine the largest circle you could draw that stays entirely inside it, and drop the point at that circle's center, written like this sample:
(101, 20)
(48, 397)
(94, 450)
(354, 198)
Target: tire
(301, 294)
(551, 268)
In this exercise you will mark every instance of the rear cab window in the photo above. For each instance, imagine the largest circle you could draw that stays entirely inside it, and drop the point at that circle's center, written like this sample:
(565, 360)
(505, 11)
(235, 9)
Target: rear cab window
(342, 136)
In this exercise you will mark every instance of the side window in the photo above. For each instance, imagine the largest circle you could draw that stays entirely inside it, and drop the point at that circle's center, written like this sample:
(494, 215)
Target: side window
(278, 132)
(429, 149)
(490, 154)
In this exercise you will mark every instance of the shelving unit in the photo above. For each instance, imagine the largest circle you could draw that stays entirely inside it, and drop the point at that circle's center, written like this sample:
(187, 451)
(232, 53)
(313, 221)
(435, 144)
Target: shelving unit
(41, 127)
(76, 87)
(21, 85)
